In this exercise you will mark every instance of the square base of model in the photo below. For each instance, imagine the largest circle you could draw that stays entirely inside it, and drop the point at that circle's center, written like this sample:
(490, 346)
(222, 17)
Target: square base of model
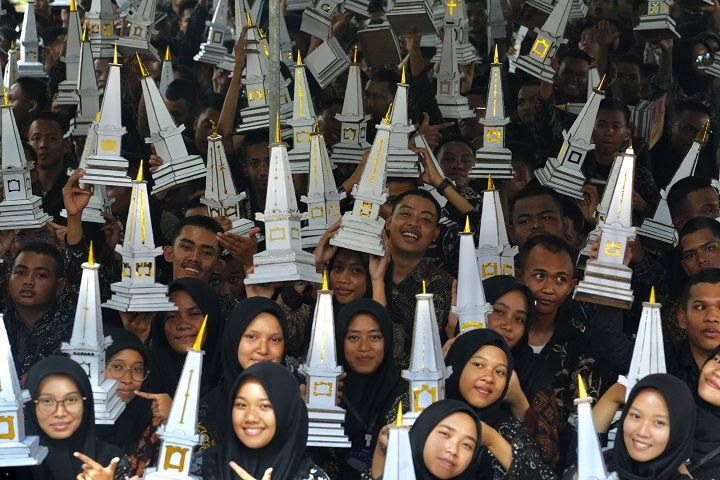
(103, 47)
(311, 235)
(658, 231)
(129, 46)
(108, 405)
(31, 69)
(359, 7)
(107, 170)
(348, 153)
(89, 214)
(411, 18)
(242, 226)
(283, 266)
(605, 284)
(566, 181)
(79, 127)
(656, 27)
(299, 161)
(22, 214)
(23, 453)
(177, 171)
(453, 110)
(402, 163)
(66, 94)
(153, 298)
(211, 53)
(542, 71)
(466, 54)
(360, 235)
(315, 23)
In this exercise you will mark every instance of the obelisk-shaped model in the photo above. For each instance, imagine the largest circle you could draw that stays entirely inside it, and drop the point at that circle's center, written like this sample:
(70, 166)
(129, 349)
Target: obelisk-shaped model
(427, 372)
(657, 23)
(302, 121)
(66, 90)
(137, 290)
(322, 370)
(19, 208)
(451, 103)
(456, 13)
(649, 350)
(495, 255)
(87, 90)
(401, 161)
(493, 159)
(607, 278)
(472, 309)
(323, 199)
(11, 69)
(30, 64)
(283, 259)
(353, 127)
(213, 51)
(166, 73)
(497, 25)
(564, 173)
(107, 166)
(88, 343)
(141, 27)
(16, 448)
(661, 227)
(101, 26)
(242, 13)
(221, 196)
(593, 79)
(178, 167)
(317, 19)
(361, 229)
(398, 458)
(590, 464)
(549, 38)
(179, 434)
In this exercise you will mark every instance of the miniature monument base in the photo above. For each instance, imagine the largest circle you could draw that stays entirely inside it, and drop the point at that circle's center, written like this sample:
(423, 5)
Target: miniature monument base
(178, 443)
(543, 72)
(23, 453)
(211, 53)
(402, 163)
(606, 284)
(659, 231)
(129, 46)
(79, 126)
(315, 24)
(178, 171)
(311, 235)
(257, 118)
(31, 69)
(657, 27)
(150, 298)
(325, 428)
(497, 164)
(566, 181)
(454, 108)
(360, 235)
(108, 405)
(348, 153)
(26, 213)
(299, 161)
(242, 226)
(66, 94)
(283, 266)
(107, 170)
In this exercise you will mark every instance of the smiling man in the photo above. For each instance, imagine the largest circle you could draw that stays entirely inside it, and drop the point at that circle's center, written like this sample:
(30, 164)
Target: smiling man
(195, 249)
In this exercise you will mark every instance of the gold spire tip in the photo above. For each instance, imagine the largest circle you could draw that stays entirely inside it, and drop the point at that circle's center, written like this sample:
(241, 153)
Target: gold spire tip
(402, 78)
(143, 71)
(582, 391)
(355, 54)
(84, 34)
(115, 55)
(97, 117)
(139, 177)
(386, 120)
(467, 224)
(601, 85)
(168, 57)
(249, 20)
(491, 185)
(652, 294)
(424, 287)
(199, 340)
(630, 147)
(398, 419)
(277, 128)
(91, 254)
(5, 97)
(702, 135)
(213, 129)
(299, 59)
(496, 60)
(326, 282)
(73, 6)
(13, 45)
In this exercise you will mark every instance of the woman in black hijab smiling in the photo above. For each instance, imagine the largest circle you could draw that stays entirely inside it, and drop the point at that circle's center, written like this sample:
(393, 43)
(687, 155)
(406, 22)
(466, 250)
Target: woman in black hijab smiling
(706, 452)
(482, 366)
(62, 414)
(270, 429)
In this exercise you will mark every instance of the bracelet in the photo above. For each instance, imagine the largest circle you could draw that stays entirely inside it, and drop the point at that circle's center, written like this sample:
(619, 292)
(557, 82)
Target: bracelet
(442, 186)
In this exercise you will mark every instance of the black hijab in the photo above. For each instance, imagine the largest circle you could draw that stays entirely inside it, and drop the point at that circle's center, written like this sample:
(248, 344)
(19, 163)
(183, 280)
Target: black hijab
(707, 434)
(286, 450)
(458, 357)
(366, 397)
(137, 415)
(167, 364)
(426, 422)
(60, 463)
(681, 407)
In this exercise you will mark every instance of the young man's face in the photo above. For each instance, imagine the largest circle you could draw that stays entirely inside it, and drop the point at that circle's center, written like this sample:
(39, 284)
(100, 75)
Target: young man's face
(34, 281)
(257, 165)
(628, 82)
(456, 160)
(610, 132)
(573, 77)
(181, 112)
(195, 253)
(535, 215)
(377, 98)
(23, 107)
(701, 317)
(413, 225)
(527, 103)
(700, 203)
(550, 277)
(685, 128)
(700, 250)
(46, 139)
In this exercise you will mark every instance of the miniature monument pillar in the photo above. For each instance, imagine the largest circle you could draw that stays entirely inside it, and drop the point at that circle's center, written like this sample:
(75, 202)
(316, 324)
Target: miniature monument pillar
(472, 309)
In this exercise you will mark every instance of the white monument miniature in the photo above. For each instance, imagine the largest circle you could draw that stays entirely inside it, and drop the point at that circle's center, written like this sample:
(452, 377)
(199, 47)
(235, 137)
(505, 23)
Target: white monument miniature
(178, 167)
(411, 16)
(358, 7)
(649, 350)
(141, 27)
(401, 161)
(564, 173)
(221, 196)
(67, 94)
(657, 23)
(166, 73)
(353, 128)
(213, 51)
(549, 38)
(427, 372)
(398, 457)
(30, 64)
(87, 90)
(593, 79)
(607, 278)
(497, 24)
(327, 62)
(590, 464)
(661, 227)
(16, 448)
(137, 290)
(11, 69)
(361, 229)
(456, 13)
(179, 434)
(302, 121)
(472, 309)
(283, 258)
(493, 158)
(317, 19)
(101, 27)
(19, 208)
(323, 199)
(88, 343)
(450, 102)
(495, 255)
(322, 371)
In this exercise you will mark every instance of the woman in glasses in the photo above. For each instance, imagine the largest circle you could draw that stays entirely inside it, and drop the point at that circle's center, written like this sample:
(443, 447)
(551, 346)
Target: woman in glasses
(62, 415)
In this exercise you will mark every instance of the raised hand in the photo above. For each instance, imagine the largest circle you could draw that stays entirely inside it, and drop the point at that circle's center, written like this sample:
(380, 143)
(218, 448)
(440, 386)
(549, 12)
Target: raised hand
(75, 198)
(432, 132)
(161, 403)
(324, 251)
(242, 49)
(242, 248)
(111, 229)
(243, 475)
(91, 470)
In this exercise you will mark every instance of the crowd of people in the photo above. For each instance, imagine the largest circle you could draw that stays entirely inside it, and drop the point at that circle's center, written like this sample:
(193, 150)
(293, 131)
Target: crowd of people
(508, 409)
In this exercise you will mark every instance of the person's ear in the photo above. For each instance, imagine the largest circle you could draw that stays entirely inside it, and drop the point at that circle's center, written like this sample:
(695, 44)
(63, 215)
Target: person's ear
(567, 226)
(682, 318)
(33, 106)
(61, 284)
(219, 265)
(168, 253)
(511, 233)
(437, 233)
(518, 273)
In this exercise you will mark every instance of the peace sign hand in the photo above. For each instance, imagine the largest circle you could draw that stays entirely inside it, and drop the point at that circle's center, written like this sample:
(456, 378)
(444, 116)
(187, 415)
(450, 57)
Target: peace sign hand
(243, 475)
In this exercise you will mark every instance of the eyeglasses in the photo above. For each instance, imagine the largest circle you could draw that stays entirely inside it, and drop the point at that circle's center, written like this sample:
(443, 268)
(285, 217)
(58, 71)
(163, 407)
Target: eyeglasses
(48, 405)
(137, 372)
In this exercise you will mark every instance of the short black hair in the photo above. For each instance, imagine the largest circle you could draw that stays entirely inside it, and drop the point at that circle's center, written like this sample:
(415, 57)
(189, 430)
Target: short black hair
(708, 275)
(200, 221)
(535, 191)
(693, 106)
(34, 89)
(253, 137)
(42, 248)
(577, 54)
(550, 243)
(182, 89)
(52, 117)
(677, 196)
(419, 192)
(387, 76)
(611, 104)
(212, 100)
(454, 138)
(633, 60)
(700, 223)
(573, 212)
(522, 154)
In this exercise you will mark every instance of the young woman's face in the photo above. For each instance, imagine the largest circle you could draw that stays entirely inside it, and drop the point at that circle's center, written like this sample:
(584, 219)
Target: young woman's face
(128, 368)
(348, 278)
(450, 446)
(508, 317)
(364, 344)
(253, 417)
(646, 429)
(483, 379)
(709, 384)
(182, 326)
(262, 341)
(59, 420)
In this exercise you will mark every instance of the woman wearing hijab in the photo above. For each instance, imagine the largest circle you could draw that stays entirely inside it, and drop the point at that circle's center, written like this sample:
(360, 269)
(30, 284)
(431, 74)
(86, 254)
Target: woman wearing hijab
(269, 430)
(176, 332)
(482, 365)
(706, 451)
(62, 414)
